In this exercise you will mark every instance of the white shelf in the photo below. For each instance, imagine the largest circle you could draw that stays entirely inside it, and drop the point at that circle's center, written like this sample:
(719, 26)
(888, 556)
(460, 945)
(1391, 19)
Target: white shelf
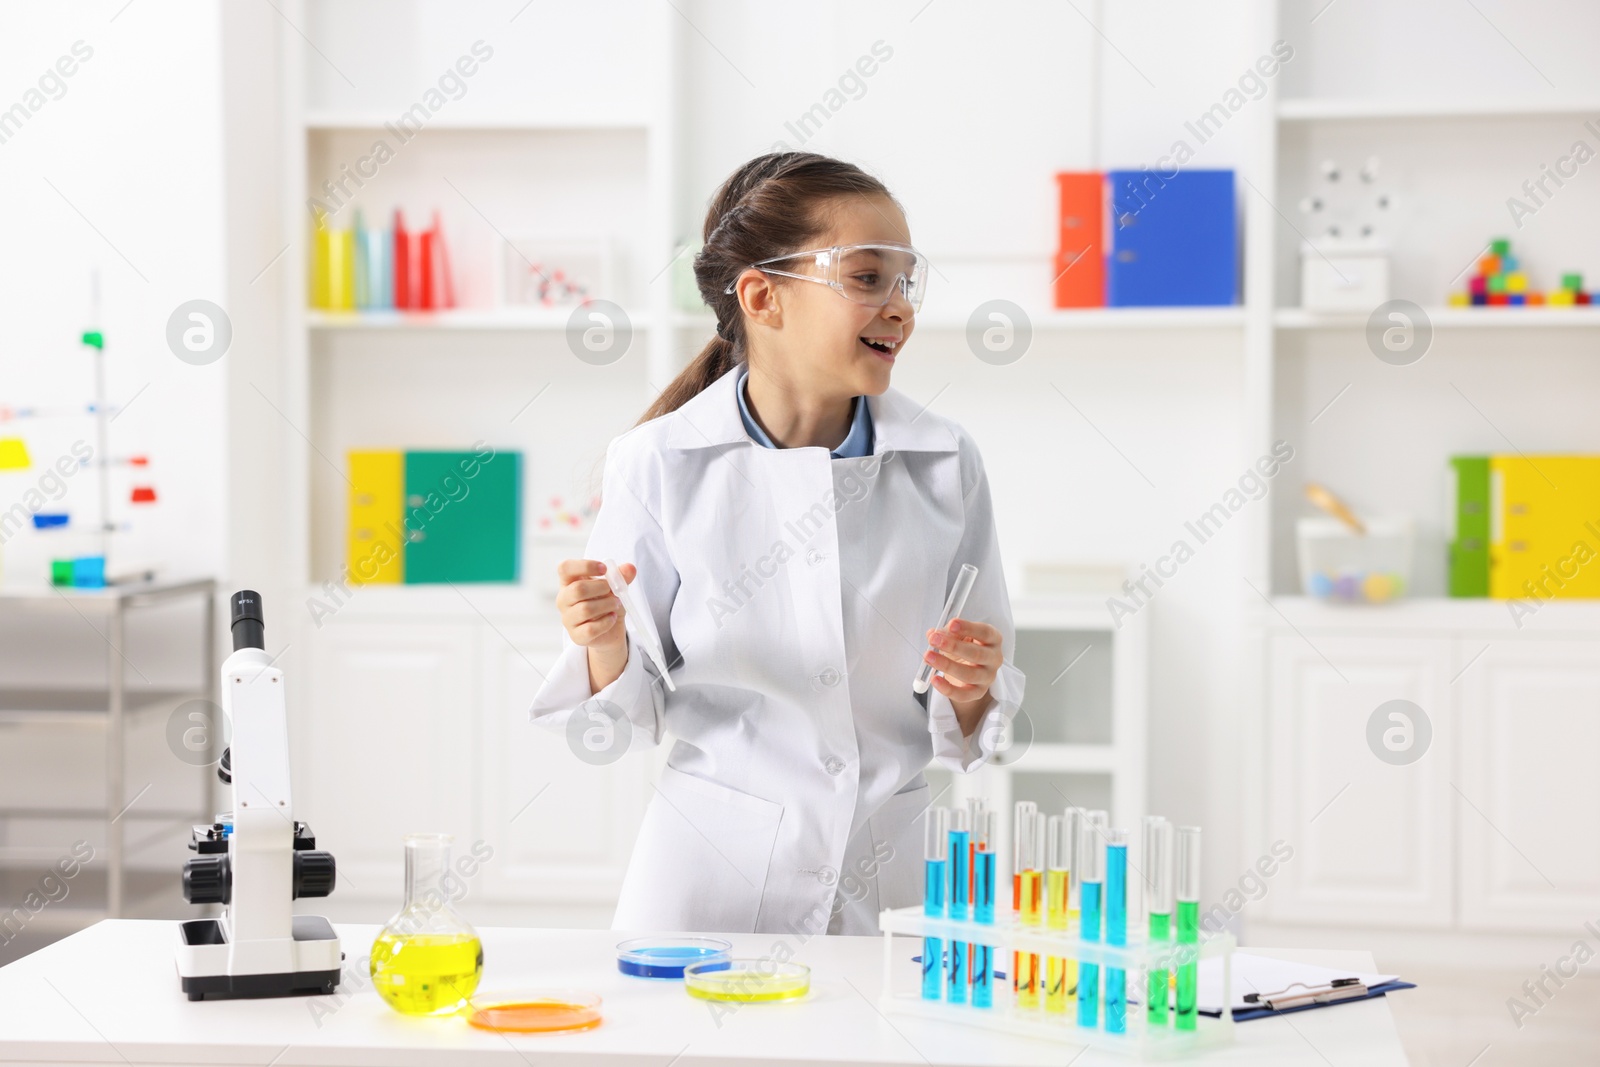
(554, 319)
(1311, 109)
(1445, 317)
(376, 121)
(1154, 318)
(1112, 318)
(1492, 618)
(1054, 758)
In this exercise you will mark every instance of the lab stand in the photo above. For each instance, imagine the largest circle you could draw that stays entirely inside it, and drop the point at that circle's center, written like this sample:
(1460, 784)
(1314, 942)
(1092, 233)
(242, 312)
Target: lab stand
(110, 708)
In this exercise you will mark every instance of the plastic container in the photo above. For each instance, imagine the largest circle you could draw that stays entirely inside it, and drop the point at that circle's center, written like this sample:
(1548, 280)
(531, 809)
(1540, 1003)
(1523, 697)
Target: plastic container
(747, 981)
(535, 1011)
(1341, 566)
(666, 957)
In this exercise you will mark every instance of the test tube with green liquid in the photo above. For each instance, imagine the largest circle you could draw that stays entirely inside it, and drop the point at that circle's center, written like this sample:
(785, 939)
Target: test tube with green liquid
(1188, 893)
(1091, 879)
(1055, 895)
(1158, 898)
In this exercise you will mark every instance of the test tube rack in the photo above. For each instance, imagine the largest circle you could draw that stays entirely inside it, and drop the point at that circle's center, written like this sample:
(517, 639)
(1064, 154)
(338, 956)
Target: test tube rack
(1006, 934)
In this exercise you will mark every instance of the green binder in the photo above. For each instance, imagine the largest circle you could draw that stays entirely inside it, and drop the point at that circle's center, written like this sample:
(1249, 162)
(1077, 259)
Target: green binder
(1469, 550)
(463, 516)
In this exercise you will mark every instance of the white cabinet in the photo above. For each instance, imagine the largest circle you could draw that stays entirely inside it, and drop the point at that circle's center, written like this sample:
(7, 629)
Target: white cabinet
(1371, 839)
(392, 731)
(1529, 793)
(562, 829)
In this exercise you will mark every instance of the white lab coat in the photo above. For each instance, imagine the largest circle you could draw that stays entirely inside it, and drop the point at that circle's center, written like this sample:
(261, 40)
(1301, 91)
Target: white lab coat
(791, 591)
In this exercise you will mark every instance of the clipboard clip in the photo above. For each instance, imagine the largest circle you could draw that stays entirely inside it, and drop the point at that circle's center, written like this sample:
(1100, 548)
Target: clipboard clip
(1300, 994)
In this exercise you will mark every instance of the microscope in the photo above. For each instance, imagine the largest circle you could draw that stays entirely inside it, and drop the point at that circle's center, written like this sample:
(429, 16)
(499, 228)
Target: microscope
(265, 859)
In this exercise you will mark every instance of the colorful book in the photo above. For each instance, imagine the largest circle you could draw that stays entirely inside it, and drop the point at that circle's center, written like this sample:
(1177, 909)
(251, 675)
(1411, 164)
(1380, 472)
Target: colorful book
(1544, 539)
(1174, 239)
(1080, 260)
(1469, 547)
(375, 538)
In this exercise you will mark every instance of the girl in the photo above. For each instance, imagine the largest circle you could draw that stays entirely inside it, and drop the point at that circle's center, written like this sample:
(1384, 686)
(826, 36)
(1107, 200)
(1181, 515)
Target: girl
(793, 525)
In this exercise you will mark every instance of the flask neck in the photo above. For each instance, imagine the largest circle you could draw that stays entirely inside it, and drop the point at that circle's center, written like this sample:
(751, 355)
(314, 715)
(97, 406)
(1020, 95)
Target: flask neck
(427, 860)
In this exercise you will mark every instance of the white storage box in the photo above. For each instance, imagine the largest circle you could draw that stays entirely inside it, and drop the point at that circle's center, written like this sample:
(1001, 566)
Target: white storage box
(1343, 277)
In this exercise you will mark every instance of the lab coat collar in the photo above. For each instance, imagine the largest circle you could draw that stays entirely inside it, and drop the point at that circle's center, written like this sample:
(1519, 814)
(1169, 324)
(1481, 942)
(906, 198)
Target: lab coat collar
(899, 423)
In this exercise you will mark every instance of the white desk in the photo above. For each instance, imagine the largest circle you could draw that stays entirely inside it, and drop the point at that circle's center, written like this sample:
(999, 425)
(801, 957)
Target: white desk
(110, 994)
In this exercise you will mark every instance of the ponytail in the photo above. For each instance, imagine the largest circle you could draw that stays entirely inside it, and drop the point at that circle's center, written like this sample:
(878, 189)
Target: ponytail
(771, 205)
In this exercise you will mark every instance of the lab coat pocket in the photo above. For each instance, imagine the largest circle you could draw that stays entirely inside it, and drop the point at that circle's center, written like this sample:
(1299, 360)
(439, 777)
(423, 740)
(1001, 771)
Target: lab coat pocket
(897, 831)
(701, 860)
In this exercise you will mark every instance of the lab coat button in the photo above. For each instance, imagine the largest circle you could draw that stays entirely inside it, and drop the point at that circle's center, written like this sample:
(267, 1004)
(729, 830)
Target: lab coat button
(815, 558)
(828, 676)
(834, 765)
(827, 876)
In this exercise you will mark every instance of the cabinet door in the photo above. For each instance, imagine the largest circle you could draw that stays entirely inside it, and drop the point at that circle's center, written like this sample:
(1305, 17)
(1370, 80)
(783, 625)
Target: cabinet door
(1528, 794)
(1371, 839)
(562, 829)
(393, 732)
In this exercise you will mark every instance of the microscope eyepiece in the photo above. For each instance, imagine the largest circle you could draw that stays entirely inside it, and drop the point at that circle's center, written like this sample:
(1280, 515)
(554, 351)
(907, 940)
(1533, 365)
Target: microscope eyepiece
(248, 625)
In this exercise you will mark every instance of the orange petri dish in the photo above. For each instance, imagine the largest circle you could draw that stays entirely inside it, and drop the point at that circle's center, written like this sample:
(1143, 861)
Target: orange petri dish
(538, 1011)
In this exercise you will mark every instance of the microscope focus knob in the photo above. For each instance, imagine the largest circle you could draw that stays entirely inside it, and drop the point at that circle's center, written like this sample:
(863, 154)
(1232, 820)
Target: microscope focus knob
(314, 873)
(207, 880)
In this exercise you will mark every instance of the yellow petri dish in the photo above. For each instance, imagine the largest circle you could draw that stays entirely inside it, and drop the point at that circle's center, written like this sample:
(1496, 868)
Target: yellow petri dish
(535, 1011)
(747, 981)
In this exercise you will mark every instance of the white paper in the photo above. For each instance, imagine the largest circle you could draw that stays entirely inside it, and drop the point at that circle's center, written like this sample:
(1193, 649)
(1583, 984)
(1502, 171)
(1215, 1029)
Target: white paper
(1261, 974)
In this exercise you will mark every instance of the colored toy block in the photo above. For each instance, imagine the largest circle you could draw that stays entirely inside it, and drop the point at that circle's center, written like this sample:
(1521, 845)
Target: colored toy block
(1480, 299)
(1536, 299)
(89, 572)
(1516, 282)
(1516, 299)
(1573, 281)
(1459, 300)
(1499, 299)
(1497, 283)
(61, 572)
(1500, 246)
(1489, 264)
(1562, 298)
(1583, 298)
(1477, 284)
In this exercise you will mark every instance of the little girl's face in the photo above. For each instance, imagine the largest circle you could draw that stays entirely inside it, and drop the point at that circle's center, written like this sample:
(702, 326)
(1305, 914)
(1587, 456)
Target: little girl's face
(825, 335)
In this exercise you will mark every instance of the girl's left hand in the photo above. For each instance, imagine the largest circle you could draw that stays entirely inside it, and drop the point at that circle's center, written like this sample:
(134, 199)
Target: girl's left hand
(967, 656)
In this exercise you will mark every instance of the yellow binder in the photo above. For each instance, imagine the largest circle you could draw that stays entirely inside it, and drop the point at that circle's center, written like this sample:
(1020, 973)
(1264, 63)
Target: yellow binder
(376, 553)
(1544, 536)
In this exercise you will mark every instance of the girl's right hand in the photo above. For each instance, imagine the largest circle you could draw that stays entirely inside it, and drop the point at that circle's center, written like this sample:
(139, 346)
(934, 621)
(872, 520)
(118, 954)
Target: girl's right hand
(590, 611)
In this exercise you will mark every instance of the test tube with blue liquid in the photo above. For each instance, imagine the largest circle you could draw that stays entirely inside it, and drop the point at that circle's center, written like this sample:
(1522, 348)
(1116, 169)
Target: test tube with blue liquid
(1158, 898)
(936, 844)
(1188, 893)
(960, 906)
(976, 806)
(1091, 881)
(1117, 929)
(984, 834)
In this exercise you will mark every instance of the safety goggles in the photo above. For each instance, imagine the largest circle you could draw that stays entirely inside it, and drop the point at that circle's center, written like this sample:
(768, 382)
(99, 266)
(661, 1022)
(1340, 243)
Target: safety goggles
(867, 274)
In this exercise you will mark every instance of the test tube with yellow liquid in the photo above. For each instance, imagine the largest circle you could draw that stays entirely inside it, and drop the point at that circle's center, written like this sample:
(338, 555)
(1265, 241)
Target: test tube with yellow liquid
(1020, 843)
(1032, 836)
(1057, 881)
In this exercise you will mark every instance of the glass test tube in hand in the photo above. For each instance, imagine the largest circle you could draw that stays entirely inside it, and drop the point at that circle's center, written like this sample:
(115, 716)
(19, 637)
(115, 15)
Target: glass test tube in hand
(953, 605)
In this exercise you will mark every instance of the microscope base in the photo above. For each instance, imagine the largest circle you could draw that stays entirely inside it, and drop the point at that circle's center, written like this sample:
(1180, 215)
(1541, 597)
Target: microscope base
(208, 967)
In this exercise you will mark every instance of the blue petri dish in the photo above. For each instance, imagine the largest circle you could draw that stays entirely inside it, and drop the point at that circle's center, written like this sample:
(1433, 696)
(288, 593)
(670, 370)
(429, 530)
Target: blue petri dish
(666, 957)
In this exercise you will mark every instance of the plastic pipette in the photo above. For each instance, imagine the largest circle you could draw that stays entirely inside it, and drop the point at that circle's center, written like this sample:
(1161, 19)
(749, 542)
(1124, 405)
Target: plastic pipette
(643, 626)
(952, 608)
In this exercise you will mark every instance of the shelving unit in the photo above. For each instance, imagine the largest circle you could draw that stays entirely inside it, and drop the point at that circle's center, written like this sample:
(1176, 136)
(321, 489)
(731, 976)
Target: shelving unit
(1421, 844)
(109, 710)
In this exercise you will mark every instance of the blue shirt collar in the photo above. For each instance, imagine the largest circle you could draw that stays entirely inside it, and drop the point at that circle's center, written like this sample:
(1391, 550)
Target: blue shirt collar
(857, 443)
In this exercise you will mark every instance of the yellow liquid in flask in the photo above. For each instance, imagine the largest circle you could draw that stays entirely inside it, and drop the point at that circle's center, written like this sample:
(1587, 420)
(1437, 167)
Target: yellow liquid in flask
(426, 974)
